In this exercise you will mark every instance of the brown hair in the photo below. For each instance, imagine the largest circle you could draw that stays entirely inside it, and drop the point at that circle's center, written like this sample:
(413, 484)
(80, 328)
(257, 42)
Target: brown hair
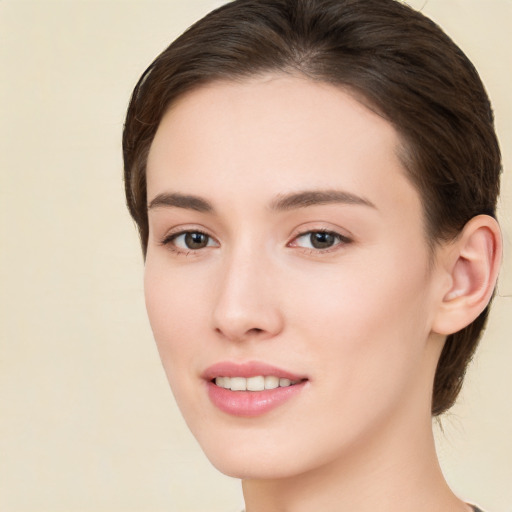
(402, 65)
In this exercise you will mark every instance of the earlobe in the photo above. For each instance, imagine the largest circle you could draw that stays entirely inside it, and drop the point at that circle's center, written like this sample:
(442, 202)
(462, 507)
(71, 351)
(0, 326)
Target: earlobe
(473, 265)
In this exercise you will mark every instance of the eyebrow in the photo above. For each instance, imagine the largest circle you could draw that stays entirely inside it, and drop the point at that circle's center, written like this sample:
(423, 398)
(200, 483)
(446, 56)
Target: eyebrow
(317, 197)
(177, 200)
(283, 202)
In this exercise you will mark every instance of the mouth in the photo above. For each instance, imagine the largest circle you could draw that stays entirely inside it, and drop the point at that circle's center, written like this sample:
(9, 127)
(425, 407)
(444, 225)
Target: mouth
(250, 389)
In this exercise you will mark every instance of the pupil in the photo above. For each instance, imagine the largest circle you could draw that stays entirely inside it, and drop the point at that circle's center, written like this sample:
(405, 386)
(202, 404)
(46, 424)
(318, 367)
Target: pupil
(196, 240)
(322, 240)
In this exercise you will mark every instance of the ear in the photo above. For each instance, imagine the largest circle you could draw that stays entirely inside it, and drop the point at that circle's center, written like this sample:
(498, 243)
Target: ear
(472, 263)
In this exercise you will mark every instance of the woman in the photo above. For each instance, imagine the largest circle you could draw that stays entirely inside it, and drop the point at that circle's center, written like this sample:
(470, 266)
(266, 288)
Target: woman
(315, 185)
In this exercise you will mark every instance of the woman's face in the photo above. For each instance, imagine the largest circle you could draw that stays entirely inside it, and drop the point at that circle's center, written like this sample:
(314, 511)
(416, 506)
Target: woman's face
(286, 242)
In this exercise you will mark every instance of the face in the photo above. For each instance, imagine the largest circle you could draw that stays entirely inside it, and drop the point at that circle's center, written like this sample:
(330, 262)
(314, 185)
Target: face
(288, 281)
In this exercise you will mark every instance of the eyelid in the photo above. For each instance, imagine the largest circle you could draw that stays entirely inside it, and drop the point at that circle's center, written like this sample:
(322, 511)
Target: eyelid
(167, 240)
(343, 239)
(171, 235)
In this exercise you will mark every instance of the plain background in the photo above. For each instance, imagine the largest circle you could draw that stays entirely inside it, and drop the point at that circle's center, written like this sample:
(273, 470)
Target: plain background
(87, 422)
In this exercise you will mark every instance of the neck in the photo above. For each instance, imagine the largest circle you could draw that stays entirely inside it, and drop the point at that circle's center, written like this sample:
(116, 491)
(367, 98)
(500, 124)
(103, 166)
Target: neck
(394, 471)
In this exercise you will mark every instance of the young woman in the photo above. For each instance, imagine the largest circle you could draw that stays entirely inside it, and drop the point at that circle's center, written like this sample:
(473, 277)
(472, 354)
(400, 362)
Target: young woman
(315, 184)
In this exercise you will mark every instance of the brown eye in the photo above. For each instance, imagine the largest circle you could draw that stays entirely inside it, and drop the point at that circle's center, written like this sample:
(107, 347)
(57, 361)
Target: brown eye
(189, 241)
(322, 240)
(195, 240)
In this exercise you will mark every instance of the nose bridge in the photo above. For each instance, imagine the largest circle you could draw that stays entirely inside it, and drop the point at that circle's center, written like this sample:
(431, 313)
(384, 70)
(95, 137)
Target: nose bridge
(246, 303)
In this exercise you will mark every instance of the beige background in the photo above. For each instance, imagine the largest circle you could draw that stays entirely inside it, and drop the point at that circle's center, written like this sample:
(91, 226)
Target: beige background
(87, 422)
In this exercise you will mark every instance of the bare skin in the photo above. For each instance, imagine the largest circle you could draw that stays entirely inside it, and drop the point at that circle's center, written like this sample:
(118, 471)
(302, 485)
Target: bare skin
(257, 173)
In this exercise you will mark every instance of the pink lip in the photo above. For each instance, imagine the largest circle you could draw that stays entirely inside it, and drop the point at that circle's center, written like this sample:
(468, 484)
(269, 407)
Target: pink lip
(249, 369)
(250, 403)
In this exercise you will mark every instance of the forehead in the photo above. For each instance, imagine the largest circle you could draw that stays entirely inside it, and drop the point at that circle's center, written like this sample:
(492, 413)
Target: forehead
(273, 134)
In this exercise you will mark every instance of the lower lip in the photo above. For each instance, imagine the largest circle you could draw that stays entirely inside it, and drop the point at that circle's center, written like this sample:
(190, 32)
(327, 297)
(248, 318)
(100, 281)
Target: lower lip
(251, 403)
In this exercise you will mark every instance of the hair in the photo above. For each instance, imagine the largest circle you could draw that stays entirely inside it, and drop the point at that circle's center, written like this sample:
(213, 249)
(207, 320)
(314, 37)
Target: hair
(395, 60)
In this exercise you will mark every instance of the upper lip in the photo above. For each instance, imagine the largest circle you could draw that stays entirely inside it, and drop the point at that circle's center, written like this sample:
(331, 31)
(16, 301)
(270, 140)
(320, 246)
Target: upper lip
(248, 369)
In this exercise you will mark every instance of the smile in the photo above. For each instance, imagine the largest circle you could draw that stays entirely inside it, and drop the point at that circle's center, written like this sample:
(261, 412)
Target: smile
(251, 389)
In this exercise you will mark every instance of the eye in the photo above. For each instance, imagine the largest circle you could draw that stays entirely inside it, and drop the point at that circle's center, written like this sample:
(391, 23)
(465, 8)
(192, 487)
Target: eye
(319, 240)
(189, 241)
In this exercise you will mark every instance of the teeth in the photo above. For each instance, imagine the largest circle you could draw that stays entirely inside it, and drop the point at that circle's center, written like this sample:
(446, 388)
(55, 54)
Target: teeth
(237, 383)
(271, 382)
(258, 383)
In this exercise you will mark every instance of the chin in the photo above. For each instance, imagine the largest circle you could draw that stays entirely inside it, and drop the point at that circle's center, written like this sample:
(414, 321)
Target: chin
(254, 468)
(261, 455)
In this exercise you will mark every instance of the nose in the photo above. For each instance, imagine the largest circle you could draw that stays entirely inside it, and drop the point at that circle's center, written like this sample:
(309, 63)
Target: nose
(247, 301)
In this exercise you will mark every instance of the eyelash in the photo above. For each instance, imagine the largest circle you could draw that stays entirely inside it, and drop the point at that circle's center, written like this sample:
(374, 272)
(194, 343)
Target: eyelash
(340, 241)
(169, 239)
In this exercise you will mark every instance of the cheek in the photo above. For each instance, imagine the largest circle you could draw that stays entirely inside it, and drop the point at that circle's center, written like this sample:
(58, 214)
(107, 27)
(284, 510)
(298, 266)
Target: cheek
(364, 336)
(359, 295)
(173, 304)
(371, 318)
